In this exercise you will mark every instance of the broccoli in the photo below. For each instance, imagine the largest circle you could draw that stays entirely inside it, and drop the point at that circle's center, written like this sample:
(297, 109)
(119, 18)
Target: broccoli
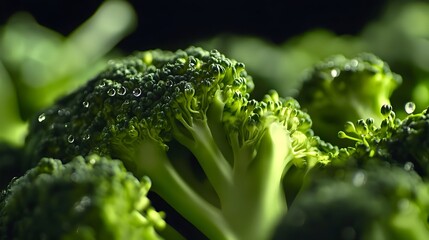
(398, 141)
(86, 198)
(147, 107)
(340, 89)
(377, 201)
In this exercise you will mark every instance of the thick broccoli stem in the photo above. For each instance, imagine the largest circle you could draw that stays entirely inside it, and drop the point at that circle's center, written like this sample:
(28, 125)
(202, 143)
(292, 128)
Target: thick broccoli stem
(202, 144)
(256, 200)
(152, 161)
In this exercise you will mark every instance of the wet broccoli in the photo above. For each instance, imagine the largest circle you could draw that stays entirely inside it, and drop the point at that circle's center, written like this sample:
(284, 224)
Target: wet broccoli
(86, 198)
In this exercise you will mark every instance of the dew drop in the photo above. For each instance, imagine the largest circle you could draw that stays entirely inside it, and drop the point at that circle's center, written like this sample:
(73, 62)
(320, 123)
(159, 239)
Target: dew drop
(354, 63)
(42, 117)
(70, 139)
(86, 137)
(102, 84)
(111, 92)
(408, 166)
(137, 92)
(335, 73)
(359, 179)
(92, 161)
(410, 107)
(85, 104)
(122, 90)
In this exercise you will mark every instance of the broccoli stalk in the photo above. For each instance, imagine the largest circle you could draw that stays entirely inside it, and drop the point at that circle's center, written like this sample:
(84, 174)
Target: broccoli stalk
(139, 106)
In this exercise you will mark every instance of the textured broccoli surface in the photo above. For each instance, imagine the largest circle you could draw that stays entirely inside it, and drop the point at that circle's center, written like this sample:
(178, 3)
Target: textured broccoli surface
(87, 198)
(142, 106)
(402, 142)
(340, 89)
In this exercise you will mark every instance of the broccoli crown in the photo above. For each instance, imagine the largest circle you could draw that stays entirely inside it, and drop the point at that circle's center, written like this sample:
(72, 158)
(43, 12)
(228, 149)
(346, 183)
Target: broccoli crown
(356, 88)
(136, 97)
(87, 198)
(249, 119)
(409, 143)
(402, 142)
(373, 202)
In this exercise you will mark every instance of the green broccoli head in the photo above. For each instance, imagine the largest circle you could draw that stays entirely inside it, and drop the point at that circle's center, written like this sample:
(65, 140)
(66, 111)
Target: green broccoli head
(409, 143)
(403, 142)
(340, 89)
(374, 202)
(147, 95)
(87, 198)
(140, 107)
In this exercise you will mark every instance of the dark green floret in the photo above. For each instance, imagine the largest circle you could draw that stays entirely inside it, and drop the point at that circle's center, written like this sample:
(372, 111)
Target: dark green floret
(377, 201)
(87, 198)
(402, 142)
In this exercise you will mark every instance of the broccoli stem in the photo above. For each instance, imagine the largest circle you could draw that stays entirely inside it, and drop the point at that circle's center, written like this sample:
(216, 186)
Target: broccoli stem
(153, 162)
(256, 201)
(205, 149)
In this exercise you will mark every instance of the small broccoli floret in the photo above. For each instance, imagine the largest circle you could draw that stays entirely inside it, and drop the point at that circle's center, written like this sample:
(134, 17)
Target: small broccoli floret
(409, 143)
(87, 198)
(140, 107)
(402, 142)
(339, 89)
(374, 202)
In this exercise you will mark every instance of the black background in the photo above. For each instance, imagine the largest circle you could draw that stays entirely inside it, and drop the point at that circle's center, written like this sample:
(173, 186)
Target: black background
(175, 24)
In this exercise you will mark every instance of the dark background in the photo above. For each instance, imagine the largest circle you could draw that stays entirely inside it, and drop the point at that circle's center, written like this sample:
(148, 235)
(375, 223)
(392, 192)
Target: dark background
(173, 24)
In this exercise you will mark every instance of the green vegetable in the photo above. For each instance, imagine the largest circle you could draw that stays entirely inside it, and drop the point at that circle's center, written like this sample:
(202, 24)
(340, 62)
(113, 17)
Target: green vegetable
(401, 142)
(377, 201)
(142, 106)
(87, 198)
(339, 89)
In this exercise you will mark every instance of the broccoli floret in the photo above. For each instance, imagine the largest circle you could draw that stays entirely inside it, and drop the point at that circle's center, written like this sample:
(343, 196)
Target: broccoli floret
(87, 198)
(402, 142)
(375, 202)
(140, 107)
(340, 89)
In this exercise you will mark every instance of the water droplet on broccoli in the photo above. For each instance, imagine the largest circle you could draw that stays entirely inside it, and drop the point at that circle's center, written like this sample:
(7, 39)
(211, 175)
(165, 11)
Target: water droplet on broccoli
(335, 73)
(408, 166)
(85, 104)
(70, 139)
(42, 117)
(359, 179)
(137, 92)
(354, 63)
(410, 107)
(111, 92)
(122, 90)
(86, 137)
